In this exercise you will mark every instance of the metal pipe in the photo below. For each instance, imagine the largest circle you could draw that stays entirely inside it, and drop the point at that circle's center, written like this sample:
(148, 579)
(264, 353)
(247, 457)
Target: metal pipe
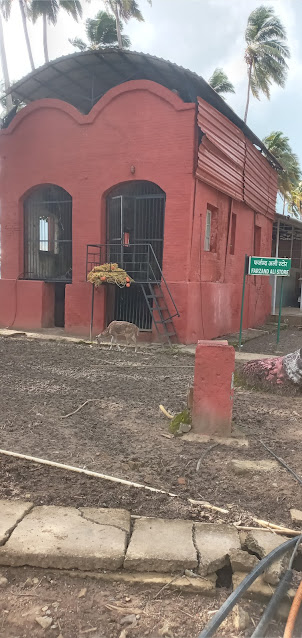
(274, 292)
(228, 605)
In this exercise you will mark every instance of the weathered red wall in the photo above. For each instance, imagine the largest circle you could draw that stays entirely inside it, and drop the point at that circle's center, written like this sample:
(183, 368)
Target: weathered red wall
(26, 304)
(137, 123)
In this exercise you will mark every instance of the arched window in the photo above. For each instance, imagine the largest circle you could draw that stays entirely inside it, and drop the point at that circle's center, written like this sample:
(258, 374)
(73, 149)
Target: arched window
(48, 234)
(135, 218)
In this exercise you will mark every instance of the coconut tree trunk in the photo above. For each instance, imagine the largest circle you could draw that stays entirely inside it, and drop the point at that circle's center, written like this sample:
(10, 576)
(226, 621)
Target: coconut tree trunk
(118, 27)
(45, 43)
(8, 99)
(27, 40)
(248, 92)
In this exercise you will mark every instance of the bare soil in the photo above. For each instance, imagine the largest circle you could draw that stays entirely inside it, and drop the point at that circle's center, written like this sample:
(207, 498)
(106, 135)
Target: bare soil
(290, 340)
(122, 434)
(97, 609)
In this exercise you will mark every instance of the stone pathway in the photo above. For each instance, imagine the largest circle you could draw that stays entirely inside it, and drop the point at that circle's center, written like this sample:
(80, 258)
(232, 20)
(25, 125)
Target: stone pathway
(59, 335)
(98, 539)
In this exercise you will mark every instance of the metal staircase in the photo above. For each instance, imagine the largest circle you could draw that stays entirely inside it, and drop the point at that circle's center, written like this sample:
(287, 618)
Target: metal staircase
(160, 313)
(142, 265)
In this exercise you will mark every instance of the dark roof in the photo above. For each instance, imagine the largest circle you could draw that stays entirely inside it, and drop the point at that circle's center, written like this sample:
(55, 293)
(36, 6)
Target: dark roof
(287, 220)
(82, 78)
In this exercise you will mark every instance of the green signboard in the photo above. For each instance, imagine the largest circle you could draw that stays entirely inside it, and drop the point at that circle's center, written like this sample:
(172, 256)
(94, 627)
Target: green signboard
(269, 266)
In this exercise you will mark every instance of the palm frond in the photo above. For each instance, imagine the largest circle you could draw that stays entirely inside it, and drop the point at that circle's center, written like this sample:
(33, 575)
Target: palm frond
(278, 144)
(101, 32)
(78, 44)
(129, 9)
(220, 82)
(50, 8)
(267, 51)
(5, 8)
(261, 79)
(72, 7)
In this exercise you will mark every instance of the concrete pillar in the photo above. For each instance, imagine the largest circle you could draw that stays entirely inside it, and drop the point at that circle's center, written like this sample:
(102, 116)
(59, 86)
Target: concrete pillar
(213, 388)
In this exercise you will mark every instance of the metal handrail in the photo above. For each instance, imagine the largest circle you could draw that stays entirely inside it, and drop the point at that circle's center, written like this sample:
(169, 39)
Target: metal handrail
(163, 278)
(151, 252)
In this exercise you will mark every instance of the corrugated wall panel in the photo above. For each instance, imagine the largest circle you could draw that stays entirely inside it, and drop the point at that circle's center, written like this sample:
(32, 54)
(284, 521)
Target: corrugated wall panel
(260, 182)
(219, 173)
(229, 162)
(222, 151)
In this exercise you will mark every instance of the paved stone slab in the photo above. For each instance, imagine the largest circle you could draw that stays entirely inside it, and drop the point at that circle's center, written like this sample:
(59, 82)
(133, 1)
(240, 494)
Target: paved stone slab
(242, 561)
(262, 543)
(59, 537)
(296, 516)
(103, 516)
(161, 545)
(11, 512)
(214, 543)
(253, 467)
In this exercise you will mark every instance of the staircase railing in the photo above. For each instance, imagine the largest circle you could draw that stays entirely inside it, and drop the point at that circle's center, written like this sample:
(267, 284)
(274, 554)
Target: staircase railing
(139, 260)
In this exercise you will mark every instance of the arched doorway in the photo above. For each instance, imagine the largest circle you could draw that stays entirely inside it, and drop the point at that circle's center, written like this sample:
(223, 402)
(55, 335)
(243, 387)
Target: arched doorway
(135, 236)
(48, 241)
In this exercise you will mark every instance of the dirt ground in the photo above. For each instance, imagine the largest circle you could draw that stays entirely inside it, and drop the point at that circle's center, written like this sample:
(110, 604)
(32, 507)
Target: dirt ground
(121, 434)
(96, 609)
(290, 340)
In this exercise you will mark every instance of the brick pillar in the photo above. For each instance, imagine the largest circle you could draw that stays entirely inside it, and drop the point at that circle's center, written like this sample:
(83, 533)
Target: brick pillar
(213, 388)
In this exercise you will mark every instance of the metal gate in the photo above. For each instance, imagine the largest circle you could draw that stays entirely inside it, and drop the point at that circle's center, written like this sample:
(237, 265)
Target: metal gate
(48, 235)
(135, 219)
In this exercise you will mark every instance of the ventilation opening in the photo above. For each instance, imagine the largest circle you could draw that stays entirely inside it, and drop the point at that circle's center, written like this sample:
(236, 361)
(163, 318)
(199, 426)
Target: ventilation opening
(224, 577)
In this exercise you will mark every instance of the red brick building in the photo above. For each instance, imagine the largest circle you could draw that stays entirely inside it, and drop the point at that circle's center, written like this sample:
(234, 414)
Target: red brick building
(125, 157)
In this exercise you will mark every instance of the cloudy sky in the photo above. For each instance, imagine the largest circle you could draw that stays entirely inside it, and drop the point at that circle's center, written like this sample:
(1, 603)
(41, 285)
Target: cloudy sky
(197, 34)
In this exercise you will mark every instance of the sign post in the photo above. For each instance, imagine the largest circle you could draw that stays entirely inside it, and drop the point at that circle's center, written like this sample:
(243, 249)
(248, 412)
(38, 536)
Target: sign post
(245, 272)
(269, 266)
(265, 266)
(280, 310)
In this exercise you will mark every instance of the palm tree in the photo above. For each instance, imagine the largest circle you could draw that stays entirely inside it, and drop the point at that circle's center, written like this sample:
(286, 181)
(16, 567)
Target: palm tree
(23, 11)
(265, 54)
(123, 11)
(288, 178)
(220, 82)
(101, 32)
(296, 196)
(49, 10)
(5, 7)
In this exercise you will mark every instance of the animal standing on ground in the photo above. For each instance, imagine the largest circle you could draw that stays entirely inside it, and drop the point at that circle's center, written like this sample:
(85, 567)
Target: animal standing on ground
(120, 330)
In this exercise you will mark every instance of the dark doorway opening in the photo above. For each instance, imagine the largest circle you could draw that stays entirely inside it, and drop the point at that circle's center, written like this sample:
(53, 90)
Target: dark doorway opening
(135, 220)
(59, 305)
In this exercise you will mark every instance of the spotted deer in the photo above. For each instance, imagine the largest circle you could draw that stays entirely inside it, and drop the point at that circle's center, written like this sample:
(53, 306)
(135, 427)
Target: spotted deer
(117, 330)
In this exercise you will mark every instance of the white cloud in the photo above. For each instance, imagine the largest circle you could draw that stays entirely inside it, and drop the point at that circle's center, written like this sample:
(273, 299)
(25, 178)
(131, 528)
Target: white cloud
(197, 34)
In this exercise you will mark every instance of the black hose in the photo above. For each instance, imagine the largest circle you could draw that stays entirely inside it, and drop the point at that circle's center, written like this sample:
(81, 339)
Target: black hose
(282, 462)
(277, 596)
(228, 605)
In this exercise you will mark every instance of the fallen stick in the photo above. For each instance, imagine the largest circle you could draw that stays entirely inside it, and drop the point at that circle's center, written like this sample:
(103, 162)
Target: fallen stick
(204, 455)
(79, 408)
(273, 527)
(79, 470)
(278, 458)
(208, 506)
(281, 532)
(167, 414)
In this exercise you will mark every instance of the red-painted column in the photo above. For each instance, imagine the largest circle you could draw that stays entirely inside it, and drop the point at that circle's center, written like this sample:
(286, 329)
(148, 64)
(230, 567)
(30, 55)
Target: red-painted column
(213, 388)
